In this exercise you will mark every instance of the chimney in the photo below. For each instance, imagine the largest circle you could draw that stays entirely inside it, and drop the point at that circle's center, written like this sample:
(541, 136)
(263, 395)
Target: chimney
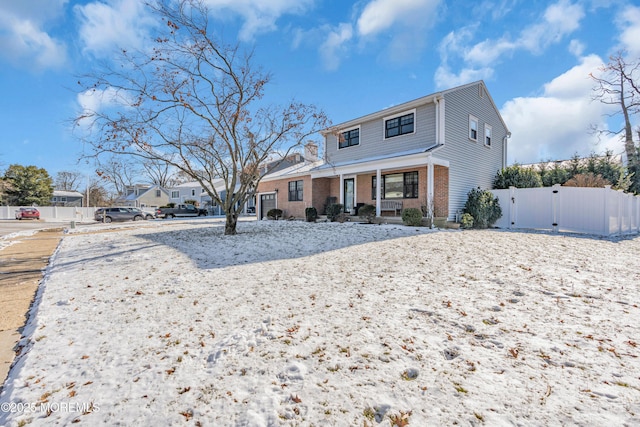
(310, 151)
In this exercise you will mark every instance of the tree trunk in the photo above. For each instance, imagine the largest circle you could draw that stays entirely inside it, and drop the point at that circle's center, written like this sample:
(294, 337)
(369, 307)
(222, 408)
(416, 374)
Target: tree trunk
(629, 145)
(230, 225)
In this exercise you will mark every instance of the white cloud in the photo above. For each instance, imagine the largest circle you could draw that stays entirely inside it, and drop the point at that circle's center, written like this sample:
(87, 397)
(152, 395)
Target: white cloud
(109, 26)
(488, 51)
(380, 15)
(556, 125)
(630, 30)
(576, 48)
(94, 102)
(24, 42)
(558, 20)
(332, 49)
(445, 78)
(259, 16)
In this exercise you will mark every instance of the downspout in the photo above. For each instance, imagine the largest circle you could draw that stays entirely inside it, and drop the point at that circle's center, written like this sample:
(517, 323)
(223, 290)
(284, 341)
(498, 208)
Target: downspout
(439, 140)
(504, 150)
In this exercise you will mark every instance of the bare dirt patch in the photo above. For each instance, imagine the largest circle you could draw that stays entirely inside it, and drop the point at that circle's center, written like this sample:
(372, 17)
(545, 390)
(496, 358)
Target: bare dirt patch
(21, 268)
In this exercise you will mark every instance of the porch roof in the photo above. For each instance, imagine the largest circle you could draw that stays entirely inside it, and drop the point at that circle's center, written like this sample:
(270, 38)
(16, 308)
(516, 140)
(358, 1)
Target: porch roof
(397, 160)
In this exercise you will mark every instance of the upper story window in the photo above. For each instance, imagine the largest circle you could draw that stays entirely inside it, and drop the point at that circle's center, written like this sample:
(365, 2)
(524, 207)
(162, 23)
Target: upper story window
(158, 193)
(349, 138)
(487, 135)
(193, 192)
(295, 191)
(175, 194)
(473, 128)
(400, 125)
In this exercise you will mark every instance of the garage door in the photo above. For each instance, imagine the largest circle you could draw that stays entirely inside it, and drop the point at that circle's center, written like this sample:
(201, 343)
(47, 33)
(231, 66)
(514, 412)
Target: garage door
(267, 202)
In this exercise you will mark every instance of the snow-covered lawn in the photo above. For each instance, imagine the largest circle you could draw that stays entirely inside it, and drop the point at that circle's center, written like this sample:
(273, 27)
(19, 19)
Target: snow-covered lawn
(290, 323)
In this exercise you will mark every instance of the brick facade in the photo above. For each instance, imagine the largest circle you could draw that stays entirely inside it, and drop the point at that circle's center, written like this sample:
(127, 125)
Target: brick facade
(316, 191)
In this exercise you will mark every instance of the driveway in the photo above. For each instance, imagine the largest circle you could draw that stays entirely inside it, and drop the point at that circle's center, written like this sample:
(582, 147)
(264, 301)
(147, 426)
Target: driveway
(9, 226)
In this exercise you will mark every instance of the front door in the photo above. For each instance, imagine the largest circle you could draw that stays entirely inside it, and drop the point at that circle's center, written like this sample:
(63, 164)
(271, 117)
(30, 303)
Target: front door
(349, 194)
(267, 202)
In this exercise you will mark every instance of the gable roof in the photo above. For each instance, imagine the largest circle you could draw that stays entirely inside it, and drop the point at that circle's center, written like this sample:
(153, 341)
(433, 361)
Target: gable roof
(413, 104)
(63, 193)
(133, 196)
(298, 169)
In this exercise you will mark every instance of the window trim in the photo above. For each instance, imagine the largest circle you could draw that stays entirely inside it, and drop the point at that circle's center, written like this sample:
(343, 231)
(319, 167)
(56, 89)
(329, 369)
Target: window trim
(395, 116)
(477, 122)
(345, 131)
(175, 194)
(404, 186)
(297, 191)
(490, 137)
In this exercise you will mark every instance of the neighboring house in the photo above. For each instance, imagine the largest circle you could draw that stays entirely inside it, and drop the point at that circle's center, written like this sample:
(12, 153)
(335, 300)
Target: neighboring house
(143, 196)
(67, 198)
(193, 191)
(429, 152)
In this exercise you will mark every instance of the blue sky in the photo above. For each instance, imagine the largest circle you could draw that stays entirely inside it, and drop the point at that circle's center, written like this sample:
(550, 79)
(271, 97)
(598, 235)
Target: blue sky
(349, 58)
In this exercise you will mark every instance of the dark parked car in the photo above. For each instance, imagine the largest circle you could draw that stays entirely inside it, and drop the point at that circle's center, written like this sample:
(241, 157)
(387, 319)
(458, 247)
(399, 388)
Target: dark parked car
(118, 214)
(27, 213)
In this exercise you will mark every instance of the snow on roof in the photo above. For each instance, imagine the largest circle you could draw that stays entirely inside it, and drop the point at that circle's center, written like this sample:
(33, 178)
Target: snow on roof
(63, 193)
(302, 168)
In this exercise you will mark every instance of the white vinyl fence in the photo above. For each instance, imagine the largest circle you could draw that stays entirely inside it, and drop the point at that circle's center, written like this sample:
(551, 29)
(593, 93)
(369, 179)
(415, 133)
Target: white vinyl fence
(600, 211)
(53, 213)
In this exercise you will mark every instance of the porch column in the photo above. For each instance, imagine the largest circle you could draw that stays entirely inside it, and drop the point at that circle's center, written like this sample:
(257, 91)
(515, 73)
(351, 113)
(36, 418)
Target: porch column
(341, 201)
(430, 186)
(378, 200)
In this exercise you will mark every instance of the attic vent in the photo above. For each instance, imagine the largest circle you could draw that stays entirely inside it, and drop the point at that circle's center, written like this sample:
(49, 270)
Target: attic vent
(481, 91)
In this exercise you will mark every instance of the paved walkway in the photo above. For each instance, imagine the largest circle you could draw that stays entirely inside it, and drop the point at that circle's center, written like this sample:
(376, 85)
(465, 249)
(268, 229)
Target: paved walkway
(22, 265)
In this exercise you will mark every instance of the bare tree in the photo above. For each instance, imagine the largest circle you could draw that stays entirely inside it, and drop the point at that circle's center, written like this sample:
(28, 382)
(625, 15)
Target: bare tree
(119, 171)
(196, 104)
(68, 180)
(159, 172)
(616, 86)
(98, 195)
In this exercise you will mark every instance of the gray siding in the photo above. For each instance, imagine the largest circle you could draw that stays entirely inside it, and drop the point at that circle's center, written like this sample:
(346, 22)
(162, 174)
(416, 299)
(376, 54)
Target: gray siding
(471, 164)
(373, 144)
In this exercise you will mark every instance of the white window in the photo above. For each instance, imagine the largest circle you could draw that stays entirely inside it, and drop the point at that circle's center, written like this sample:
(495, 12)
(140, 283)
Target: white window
(473, 128)
(487, 135)
(175, 194)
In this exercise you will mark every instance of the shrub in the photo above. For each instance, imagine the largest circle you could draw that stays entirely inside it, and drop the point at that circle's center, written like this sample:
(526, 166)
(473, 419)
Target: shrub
(192, 202)
(311, 214)
(466, 221)
(484, 207)
(274, 214)
(367, 213)
(412, 217)
(334, 210)
(341, 217)
(517, 176)
(587, 180)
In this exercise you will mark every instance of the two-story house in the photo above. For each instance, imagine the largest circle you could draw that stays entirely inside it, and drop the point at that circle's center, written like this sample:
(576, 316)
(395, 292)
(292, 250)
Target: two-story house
(194, 192)
(427, 153)
(143, 196)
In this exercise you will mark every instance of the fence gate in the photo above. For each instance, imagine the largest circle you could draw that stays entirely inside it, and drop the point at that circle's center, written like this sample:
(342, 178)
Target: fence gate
(600, 211)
